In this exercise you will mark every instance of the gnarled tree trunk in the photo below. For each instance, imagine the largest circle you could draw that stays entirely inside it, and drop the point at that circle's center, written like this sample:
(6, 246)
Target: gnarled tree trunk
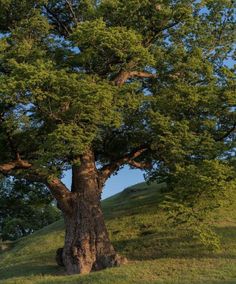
(87, 246)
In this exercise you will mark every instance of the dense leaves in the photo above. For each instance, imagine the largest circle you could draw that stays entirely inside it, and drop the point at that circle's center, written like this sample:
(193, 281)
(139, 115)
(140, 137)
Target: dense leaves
(109, 49)
(24, 208)
(197, 190)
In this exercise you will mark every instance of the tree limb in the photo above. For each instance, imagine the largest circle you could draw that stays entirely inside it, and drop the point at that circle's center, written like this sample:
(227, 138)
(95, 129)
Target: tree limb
(72, 11)
(139, 165)
(59, 23)
(158, 31)
(7, 168)
(106, 171)
(123, 76)
(56, 187)
(61, 193)
(230, 131)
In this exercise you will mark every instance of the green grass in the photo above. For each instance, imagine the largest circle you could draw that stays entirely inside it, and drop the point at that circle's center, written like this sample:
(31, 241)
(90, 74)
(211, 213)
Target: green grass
(137, 226)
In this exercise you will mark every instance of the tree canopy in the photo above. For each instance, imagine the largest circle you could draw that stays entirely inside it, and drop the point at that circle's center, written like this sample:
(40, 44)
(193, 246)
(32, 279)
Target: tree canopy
(116, 76)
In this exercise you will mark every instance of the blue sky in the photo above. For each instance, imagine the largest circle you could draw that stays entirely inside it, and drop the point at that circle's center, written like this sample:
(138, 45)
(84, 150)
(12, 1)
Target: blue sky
(125, 177)
(117, 183)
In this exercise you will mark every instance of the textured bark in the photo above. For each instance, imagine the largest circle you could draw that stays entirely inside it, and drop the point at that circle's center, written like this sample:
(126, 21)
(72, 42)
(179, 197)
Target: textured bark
(129, 159)
(18, 164)
(123, 76)
(87, 246)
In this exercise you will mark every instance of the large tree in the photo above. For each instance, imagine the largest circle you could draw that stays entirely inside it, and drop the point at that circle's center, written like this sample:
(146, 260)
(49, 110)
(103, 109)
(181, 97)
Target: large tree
(92, 86)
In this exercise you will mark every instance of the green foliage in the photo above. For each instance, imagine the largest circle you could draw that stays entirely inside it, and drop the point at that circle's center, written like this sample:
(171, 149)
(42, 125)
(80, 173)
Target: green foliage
(197, 191)
(110, 47)
(24, 208)
(13, 11)
(148, 17)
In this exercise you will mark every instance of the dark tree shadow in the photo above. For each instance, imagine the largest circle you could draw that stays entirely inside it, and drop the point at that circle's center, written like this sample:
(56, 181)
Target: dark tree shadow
(162, 245)
(146, 247)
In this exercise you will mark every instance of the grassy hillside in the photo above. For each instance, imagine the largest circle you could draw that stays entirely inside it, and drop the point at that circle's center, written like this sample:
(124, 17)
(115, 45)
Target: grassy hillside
(137, 226)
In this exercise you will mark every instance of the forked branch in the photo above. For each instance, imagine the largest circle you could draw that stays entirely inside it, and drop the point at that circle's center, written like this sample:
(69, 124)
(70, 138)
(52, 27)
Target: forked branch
(129, 159)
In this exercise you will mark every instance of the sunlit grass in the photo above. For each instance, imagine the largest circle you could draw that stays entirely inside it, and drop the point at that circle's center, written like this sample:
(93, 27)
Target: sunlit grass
(137, 226)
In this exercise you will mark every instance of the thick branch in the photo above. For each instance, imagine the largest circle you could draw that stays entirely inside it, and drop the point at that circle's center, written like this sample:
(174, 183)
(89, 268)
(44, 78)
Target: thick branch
(57, 188)
(61, 193)
(123, 76)
(7, 168)
(106, 171)
(139, 165)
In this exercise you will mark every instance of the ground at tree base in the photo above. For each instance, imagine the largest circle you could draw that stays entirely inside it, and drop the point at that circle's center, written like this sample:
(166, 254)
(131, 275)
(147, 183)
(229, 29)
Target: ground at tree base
(156, 253)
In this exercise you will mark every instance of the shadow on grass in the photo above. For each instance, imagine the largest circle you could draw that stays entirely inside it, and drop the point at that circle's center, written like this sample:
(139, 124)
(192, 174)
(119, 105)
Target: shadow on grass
(148, 247)
(28, 269)
(39, 265)
(163, 245)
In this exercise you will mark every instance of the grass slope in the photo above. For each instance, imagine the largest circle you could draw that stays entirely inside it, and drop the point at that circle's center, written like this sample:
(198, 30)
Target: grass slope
(137, 226)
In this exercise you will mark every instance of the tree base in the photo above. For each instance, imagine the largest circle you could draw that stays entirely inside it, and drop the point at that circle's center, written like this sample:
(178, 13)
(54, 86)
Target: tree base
(108, 261)
(102, 262)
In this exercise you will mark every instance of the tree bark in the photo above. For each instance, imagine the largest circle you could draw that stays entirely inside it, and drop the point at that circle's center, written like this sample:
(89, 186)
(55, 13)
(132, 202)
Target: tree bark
(87, 245)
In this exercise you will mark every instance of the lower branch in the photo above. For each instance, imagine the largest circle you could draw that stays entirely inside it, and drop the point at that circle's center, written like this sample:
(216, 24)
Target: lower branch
(61, 193)
(56, 187)
(14, 165)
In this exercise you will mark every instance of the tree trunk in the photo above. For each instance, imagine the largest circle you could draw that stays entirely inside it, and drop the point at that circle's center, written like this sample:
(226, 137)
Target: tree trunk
(87, 246)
